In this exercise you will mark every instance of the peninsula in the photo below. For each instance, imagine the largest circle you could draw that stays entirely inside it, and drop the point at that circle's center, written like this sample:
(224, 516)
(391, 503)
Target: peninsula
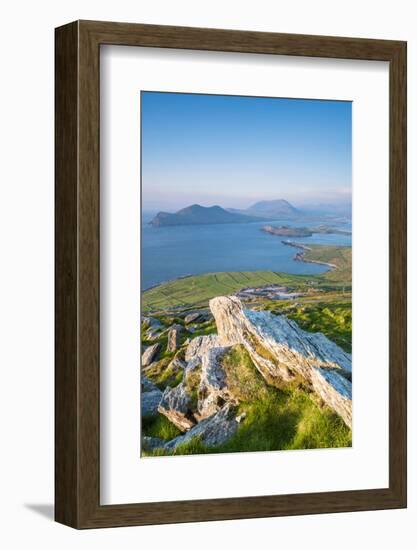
(286, 231)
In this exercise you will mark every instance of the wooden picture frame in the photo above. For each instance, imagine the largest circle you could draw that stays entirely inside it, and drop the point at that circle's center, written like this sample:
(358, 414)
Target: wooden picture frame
(77, 382)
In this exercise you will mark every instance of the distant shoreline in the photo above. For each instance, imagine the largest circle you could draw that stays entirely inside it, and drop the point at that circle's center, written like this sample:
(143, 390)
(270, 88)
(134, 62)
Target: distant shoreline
(300, 256)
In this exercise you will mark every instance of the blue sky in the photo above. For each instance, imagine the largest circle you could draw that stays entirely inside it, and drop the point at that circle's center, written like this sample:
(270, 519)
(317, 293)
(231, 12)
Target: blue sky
(234, 151)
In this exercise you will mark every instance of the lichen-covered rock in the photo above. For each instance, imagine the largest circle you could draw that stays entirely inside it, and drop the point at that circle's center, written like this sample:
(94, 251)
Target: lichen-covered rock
(282, 351)
(176, 404)
(213, 391)
(150, 354)
(174, 337)
(212, 431)
(149, 402)
(200, 345)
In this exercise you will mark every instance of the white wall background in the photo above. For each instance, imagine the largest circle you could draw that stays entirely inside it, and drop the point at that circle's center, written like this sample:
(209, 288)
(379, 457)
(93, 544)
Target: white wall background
(26, 271)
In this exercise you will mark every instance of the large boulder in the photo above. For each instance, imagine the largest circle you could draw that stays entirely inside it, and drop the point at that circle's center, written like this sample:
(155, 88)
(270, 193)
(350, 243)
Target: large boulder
(150, 354)
(174, 338)
(283, 352)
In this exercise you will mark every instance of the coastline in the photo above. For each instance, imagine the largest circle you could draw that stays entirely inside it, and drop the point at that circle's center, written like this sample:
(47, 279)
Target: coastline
(300, 256)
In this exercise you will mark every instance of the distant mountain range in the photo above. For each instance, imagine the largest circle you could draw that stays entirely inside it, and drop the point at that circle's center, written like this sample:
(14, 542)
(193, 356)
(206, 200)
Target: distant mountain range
(202, 215)
(279, 208)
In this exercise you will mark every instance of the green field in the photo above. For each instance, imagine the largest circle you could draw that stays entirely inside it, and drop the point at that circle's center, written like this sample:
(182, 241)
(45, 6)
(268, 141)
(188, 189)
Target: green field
(197, 290)
(341, 256)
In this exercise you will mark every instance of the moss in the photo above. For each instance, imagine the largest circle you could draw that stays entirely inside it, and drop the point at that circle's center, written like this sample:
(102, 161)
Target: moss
(192, 384)
(242, 377)
(163, 373)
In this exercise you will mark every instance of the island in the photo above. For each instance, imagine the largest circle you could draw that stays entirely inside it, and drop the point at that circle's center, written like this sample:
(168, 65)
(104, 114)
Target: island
(286, 231)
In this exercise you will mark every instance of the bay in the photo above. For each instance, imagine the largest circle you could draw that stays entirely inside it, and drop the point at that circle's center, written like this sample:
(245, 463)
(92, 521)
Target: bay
(171, 252)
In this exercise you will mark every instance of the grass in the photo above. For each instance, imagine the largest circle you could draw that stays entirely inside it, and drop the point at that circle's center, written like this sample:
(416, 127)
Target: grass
(340, 256)
(162, 374)
(197, 290)
(332, 319)
(159, 426)
(275, 419)
(192, 382)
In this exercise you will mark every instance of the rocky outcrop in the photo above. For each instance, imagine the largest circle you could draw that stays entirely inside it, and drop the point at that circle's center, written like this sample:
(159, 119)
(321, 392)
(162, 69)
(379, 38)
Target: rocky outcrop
(203, 390)
(176, 404)
(200, 345)
(174, 338)
(150, 354)
(213, 391)
(212, 431)
(283, 352)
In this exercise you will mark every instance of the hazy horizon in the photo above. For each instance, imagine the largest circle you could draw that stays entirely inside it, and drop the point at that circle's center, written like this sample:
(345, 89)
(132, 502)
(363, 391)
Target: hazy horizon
(234, 151)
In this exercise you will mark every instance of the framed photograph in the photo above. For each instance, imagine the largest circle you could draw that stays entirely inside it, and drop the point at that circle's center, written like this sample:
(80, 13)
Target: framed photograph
(230, 274)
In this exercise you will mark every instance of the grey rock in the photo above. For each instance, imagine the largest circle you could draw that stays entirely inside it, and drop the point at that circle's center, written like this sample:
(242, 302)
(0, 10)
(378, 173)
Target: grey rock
(152, 443)
(153, 333)
(281, 351)
(212, 431)
(150, 354)
(197, 317)
(200, 345)
(174, 337)
(147, 385)
(148, 322)
(213, 392)
(176, 405)
(149, 402)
